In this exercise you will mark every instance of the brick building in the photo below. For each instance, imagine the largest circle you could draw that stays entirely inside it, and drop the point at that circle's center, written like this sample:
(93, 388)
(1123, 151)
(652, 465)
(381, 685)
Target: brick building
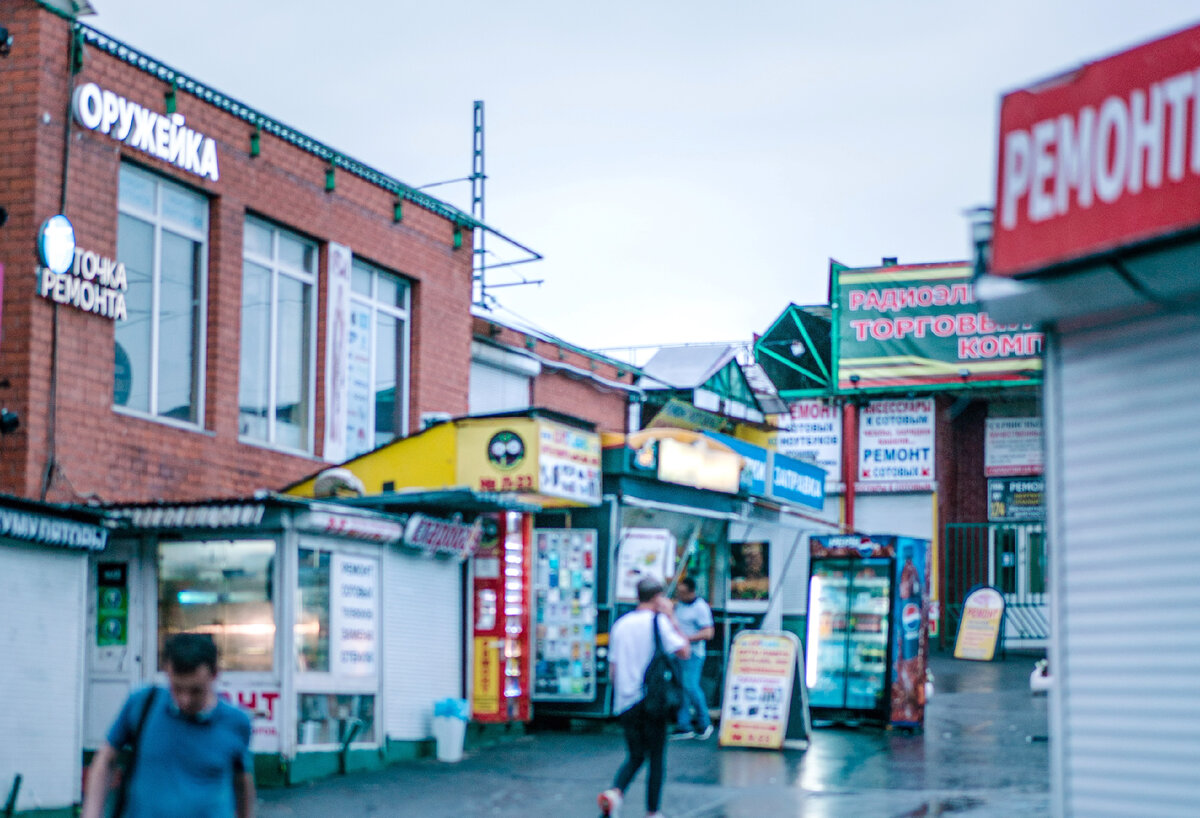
(277, 304)
(515, 368)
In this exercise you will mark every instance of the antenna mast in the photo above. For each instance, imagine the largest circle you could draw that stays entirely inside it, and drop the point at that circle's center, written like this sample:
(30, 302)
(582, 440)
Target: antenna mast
(478, 178)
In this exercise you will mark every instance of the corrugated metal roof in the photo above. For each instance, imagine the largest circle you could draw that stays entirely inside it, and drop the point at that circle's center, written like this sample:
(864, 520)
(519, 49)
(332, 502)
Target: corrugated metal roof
(685, 367)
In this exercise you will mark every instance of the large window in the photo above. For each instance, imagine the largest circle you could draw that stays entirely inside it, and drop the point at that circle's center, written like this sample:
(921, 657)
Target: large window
(378, 365)
(336, 639)
(276, 375)
(223, 588)
(162, 231)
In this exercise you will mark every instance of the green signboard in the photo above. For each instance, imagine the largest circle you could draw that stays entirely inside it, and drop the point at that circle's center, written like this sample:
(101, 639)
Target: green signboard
(112, 604)
(919, 326)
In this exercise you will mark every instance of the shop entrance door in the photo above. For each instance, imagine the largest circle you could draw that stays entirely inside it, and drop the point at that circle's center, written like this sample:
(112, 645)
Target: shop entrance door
(1017, 567)
(115, 637)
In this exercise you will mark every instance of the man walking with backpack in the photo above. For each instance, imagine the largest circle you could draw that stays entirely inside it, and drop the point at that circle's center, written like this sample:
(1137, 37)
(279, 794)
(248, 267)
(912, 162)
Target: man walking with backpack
(192, 750)
(631, 650)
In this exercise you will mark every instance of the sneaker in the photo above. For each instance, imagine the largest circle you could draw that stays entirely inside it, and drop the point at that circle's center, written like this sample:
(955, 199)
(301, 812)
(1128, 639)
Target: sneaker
(654, 815)
(705, 733)
(610, 802)
(682, 734)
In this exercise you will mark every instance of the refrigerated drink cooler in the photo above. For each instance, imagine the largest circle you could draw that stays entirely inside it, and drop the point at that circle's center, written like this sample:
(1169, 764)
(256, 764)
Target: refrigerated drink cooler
(867, 644)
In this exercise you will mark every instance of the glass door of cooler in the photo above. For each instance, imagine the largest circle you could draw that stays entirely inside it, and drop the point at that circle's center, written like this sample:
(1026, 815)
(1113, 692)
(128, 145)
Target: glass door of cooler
(867, 637)
(826, 645)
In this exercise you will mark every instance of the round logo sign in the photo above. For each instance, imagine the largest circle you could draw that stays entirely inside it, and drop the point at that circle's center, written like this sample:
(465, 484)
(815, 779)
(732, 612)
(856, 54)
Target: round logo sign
(506, 450)
(56, 244)
(910, 616)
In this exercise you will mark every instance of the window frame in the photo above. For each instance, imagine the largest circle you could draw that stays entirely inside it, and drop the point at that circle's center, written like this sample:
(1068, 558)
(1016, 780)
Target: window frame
(200, 353)
(309, 278)
(403, 314)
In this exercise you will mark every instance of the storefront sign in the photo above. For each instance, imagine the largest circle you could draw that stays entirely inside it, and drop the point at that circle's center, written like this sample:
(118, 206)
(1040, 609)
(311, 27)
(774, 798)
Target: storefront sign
(699, 464)
(679, 414)
(1103, 157)
(112, 604)
(641, 553)
(920, 324)
(1012, 447)
(795, 481)
(895, 443)
(449, 537)
(813, 433)
(755, 470)
(339, 445)
(1016, 499)
(354, 615)
(39, 528)
(163, 136)
(569, 463)
(559, 462)
(80, 278)
(262, 703)
(219, 516)
(979, 629)
(346, 525)
(762, 669)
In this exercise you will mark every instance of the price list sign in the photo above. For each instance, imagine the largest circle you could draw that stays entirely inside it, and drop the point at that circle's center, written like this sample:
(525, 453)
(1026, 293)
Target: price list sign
(758, 690)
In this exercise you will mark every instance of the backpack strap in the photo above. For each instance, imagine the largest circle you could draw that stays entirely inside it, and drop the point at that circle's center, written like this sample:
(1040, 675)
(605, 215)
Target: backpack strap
(658, 648)
(134, 740)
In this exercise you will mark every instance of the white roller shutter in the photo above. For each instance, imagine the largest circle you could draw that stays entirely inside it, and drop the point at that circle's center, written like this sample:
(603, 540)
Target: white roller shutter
(42, 615)
(908, 515)
(423, 631)
(1123, 434)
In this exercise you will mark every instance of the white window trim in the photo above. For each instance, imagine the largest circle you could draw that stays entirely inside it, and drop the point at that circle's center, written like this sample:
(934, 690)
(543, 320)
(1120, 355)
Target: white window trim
(305, 277)
(200, 366)
(403, 314)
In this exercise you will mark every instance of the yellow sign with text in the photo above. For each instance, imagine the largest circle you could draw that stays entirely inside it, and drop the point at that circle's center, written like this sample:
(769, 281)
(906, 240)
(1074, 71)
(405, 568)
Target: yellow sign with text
(485, 694)
(758, 690)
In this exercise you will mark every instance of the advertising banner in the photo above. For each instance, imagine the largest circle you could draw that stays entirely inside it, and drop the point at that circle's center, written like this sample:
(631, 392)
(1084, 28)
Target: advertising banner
(354, 615)
(337, 358)
(910, 641)
(261, 703)
(1103, 157)
(979, 629)
(643, 552)
(565, 583)
(569, 463)
(812, 431)
(530, 456)
(1016, 499)
(920, 325)
(758, 702)
(1012, 447)
(896, 445)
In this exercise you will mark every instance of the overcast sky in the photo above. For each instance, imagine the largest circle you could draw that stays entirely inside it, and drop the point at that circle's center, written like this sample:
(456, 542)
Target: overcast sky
(686, 168)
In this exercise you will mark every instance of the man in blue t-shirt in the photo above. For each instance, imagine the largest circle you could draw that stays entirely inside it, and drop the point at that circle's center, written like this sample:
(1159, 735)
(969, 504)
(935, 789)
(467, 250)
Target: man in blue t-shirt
(193, 752)
(696, 620)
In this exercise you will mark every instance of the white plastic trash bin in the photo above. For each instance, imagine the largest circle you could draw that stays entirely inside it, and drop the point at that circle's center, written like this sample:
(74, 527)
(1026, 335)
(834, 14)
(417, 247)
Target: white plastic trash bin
(450, 718)
(450, 733)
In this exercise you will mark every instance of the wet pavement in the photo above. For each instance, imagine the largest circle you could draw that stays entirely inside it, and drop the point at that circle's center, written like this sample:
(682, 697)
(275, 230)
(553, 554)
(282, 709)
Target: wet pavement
(983, 754)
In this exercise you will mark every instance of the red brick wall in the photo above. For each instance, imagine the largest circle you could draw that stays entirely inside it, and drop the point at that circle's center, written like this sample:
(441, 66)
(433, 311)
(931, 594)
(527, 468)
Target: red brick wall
(563, 390)
(116, 457)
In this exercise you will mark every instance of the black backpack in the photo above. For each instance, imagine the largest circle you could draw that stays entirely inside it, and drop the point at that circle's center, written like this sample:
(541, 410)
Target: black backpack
(663, 682)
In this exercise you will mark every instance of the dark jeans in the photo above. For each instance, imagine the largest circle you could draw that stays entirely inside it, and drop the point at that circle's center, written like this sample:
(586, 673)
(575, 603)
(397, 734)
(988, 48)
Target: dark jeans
(644, 739)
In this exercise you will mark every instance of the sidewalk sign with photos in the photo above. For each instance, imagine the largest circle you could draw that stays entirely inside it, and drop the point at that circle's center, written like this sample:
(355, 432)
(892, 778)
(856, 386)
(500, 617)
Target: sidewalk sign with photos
(766, 702)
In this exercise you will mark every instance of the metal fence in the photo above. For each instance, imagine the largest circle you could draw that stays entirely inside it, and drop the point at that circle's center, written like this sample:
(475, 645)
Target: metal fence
(1011, 557)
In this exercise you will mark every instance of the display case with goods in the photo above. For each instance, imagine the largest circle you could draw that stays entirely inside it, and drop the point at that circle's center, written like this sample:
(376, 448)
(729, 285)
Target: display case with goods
(865, 629)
